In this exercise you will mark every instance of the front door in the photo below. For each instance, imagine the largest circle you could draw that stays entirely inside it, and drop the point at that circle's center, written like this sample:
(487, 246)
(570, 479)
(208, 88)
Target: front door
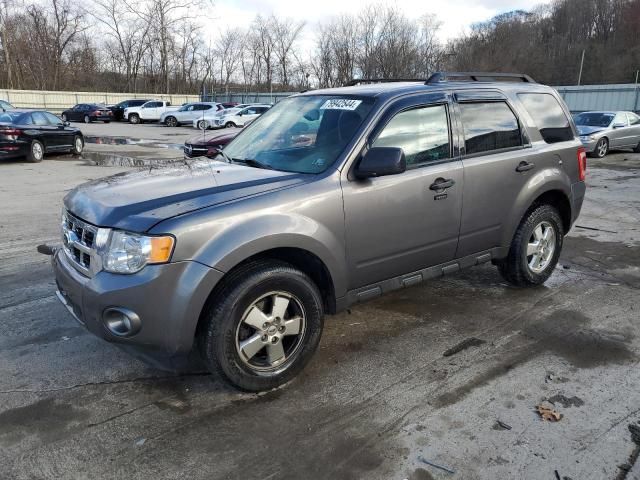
(402, 223)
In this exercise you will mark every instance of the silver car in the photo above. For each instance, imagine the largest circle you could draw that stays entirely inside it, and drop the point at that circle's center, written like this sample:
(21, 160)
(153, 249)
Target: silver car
(233, 119)
(602, 131)
(189, 112)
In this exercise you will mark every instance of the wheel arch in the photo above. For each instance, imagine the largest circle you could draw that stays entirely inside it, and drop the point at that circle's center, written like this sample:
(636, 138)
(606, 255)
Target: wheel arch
(555, 193)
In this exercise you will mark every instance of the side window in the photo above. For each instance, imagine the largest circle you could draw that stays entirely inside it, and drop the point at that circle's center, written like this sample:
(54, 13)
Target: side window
(26, 120)
(489, 126)
(548, 116)
(633, 119)
(52, 119)
(620, 119)
(39, 119)
(203, 107)
(422, 133)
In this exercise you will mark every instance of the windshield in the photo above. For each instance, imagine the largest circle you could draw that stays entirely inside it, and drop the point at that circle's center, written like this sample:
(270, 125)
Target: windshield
(302, 134)
(594, 119)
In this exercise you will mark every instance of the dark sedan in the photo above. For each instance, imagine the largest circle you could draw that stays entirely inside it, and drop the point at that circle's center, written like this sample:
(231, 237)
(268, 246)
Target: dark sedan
(199, 146)
(87, 113)
(118, 110)
(32, 133)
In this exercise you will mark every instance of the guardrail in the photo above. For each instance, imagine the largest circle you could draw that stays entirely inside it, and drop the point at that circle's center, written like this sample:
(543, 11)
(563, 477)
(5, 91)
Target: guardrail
(59, 101)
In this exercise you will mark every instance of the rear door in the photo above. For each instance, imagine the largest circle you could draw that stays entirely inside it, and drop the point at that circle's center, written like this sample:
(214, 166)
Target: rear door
(497, 164)
(398, 224)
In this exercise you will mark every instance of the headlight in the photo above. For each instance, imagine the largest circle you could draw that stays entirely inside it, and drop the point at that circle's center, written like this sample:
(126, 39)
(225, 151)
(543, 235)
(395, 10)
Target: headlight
(130, 252)
(587, 138)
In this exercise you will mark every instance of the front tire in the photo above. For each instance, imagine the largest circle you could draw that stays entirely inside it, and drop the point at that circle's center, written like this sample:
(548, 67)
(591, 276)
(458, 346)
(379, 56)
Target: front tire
(36, 152)
(263, 326)
(602, 148)
(230, 125)
(171, 122)
(134, 118)
(535, 248)
(78, 145)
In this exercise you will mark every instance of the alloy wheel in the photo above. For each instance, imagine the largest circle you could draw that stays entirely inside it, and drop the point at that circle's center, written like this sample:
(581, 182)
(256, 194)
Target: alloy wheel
(541, 247)
(271, 331)
(79, 145)
(36, 151)
(602, 148)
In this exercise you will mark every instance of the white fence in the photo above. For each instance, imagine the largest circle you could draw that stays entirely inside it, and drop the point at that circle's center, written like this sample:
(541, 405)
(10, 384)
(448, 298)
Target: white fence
(59, 101)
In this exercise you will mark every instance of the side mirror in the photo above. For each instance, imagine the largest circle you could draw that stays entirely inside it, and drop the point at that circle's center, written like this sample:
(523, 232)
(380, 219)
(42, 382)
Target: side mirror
(381, 161)
(618, 125)
(66, 124)
(240, 114)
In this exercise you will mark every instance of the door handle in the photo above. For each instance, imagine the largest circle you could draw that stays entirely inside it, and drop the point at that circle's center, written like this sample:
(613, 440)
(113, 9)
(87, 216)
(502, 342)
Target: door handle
(442, 183)
(525, 166)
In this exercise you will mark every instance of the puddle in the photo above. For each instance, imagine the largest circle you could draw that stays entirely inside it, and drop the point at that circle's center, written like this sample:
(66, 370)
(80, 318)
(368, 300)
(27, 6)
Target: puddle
(132, 141)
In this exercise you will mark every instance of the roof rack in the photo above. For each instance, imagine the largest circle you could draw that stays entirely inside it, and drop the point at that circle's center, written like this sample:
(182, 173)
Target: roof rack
(362, 81)
(439, 77)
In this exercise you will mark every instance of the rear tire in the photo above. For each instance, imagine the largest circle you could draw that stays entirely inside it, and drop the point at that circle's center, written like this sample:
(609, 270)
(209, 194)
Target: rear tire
(230, 125)
(36, 152)
(64, 117)
(262, 327)
(202, 125)
(87, 119)
(535, 248)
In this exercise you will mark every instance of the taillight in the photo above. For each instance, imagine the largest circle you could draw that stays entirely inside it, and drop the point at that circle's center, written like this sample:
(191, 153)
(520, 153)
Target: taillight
(96, 113)
(10, 131)
(582, 164)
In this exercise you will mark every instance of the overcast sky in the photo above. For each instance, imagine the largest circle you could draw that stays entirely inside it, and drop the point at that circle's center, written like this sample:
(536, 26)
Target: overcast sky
(455, 15)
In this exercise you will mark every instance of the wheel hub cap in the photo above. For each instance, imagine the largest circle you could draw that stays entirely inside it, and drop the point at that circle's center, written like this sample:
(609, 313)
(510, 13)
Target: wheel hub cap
(271, 331)
(541, 247)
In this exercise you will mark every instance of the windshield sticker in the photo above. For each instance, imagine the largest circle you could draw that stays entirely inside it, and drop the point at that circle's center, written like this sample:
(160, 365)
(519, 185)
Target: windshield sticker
(341, 104)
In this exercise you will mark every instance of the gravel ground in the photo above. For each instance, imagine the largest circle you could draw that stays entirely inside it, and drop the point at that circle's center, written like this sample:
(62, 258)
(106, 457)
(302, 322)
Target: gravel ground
(380, 400)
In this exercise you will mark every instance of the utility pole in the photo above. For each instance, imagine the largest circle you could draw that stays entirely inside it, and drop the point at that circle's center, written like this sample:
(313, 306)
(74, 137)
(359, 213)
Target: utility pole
(581, 65)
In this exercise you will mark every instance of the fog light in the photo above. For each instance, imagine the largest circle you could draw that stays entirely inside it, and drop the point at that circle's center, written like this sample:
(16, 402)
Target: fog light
(121, 321)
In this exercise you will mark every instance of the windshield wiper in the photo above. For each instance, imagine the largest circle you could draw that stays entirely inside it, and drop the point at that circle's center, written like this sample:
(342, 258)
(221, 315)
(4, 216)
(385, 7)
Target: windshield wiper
(226, 157)
(253, 163)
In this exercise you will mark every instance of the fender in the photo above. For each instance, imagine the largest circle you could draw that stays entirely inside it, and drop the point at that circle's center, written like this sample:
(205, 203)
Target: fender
(550, 179)
(240, 241)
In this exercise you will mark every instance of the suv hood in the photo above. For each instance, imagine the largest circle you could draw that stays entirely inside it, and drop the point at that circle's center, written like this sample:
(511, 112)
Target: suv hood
(136, 201)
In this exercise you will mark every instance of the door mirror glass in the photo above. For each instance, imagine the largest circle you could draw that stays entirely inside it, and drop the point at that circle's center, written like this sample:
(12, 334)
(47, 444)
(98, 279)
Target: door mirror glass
(66, 124)
(381, 161)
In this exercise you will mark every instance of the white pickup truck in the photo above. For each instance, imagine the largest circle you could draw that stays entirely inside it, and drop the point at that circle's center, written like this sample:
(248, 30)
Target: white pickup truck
(148, 112)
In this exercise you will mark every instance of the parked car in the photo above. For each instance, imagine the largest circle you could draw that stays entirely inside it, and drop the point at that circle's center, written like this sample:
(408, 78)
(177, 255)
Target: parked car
(4, 106)
(118, 110)
(189, 112)
(148, 112)
(32, 133)
(233, 119)
(207, 120)
(242, 257)
(602, 131)
(199, 146)
(229, 104)
(87, 113)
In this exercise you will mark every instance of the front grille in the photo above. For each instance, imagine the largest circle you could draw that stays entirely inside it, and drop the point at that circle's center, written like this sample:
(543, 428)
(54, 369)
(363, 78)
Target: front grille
(195, 151)
(78, 238)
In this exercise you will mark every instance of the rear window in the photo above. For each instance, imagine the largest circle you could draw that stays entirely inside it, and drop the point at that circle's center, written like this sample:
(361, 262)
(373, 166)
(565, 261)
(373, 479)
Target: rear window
(489, 126)
(548, 116)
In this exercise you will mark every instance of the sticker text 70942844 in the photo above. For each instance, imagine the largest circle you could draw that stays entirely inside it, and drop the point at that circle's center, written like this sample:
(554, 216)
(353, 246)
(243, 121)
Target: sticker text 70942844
(340, 104)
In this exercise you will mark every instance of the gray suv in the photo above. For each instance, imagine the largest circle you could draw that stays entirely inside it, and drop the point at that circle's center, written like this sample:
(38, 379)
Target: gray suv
(332, 197)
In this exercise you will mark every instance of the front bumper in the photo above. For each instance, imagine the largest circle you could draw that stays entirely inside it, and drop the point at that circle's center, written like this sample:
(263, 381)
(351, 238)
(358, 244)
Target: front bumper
(589, 145)
(168, 299)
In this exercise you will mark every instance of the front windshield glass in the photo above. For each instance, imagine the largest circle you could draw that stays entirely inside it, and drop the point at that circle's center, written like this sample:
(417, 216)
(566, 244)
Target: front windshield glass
(594, 119)
(302, 134)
